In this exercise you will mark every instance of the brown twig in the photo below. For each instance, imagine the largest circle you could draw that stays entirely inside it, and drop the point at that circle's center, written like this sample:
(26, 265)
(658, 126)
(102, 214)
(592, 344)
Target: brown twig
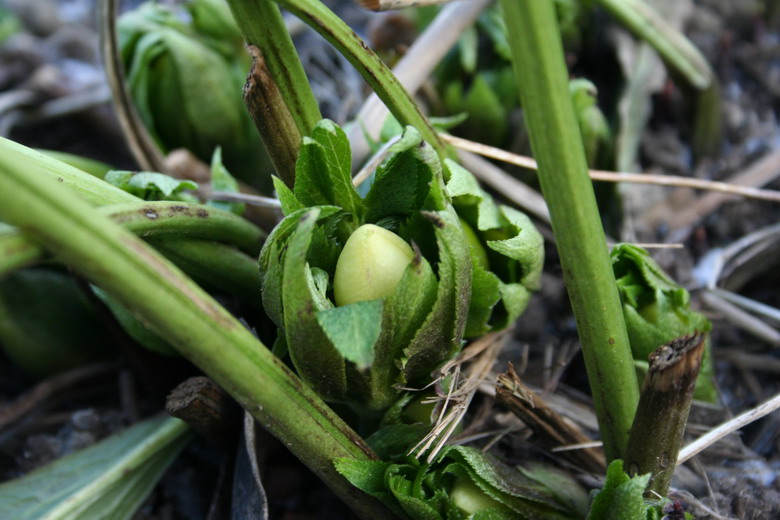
(742, 420)
(389, 5)
(737, 185)
(758, 174)
(664, 404)
(552, 431)
(453, 404)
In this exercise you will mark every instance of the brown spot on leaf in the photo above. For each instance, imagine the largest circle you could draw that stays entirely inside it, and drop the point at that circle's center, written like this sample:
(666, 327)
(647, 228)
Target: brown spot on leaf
(174, 210)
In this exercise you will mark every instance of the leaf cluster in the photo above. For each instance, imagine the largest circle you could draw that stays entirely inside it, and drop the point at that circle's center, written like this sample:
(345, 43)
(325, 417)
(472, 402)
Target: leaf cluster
(357, 353)
(658, 310)
(465, 483)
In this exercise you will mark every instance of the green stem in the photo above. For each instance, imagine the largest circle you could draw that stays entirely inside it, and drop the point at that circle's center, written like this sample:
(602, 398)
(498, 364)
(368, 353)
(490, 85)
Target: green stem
(178, 310)
(263, 26)
(89, 188)
(16, 252)
(542, 79)
(149, 219)
(677, 50)
(218, 265)
(371, 67)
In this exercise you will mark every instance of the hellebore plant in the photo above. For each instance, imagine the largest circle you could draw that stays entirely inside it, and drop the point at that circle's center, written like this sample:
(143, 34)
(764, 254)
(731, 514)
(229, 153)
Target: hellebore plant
(370, 294)
(374, 293)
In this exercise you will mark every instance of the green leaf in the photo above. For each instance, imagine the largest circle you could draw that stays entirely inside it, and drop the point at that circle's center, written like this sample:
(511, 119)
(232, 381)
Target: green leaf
(441, 334)
(487, 116)
(221, 180)
(468, 46)
(150, 185)
(272, 263)
(404, 181)
(184, 80)
(492, 22)
(485, 293)
(143, 335)
(405, 312)
(366, 475)
(516, 254)
(526, 246)
(514, 300)
(110, 479)
(47, 323)
(369, 477)
(287, 198)
(402, 484)
(390, 128)
(354, 330)
(565, 490)
(657, 310)
(465, 483)
(621, 498)
(595, 131)
(318, 362)
(528, 497)
(393, 442)
(323, 170)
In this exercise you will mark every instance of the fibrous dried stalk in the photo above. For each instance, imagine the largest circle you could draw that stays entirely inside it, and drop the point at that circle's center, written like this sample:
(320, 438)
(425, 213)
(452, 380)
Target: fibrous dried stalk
(664, 403)
(552, 430)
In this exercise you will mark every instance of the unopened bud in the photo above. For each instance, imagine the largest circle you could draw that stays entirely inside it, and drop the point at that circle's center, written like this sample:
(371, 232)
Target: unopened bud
(370, 265)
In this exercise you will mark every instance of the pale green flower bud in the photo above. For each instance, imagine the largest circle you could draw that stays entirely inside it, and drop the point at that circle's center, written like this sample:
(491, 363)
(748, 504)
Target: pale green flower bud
(370, 265)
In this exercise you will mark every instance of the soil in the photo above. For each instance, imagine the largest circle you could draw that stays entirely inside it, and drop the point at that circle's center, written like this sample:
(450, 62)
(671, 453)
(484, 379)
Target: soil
(55, 57)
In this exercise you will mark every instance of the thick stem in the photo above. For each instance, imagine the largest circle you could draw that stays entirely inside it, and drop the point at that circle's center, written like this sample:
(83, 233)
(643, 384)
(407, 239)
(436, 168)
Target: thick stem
(218, 265)
(186, 316)
(165, 218)
(263, 27)
(542, 79)
(272, 119)
(658, 429)
(370, 66)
